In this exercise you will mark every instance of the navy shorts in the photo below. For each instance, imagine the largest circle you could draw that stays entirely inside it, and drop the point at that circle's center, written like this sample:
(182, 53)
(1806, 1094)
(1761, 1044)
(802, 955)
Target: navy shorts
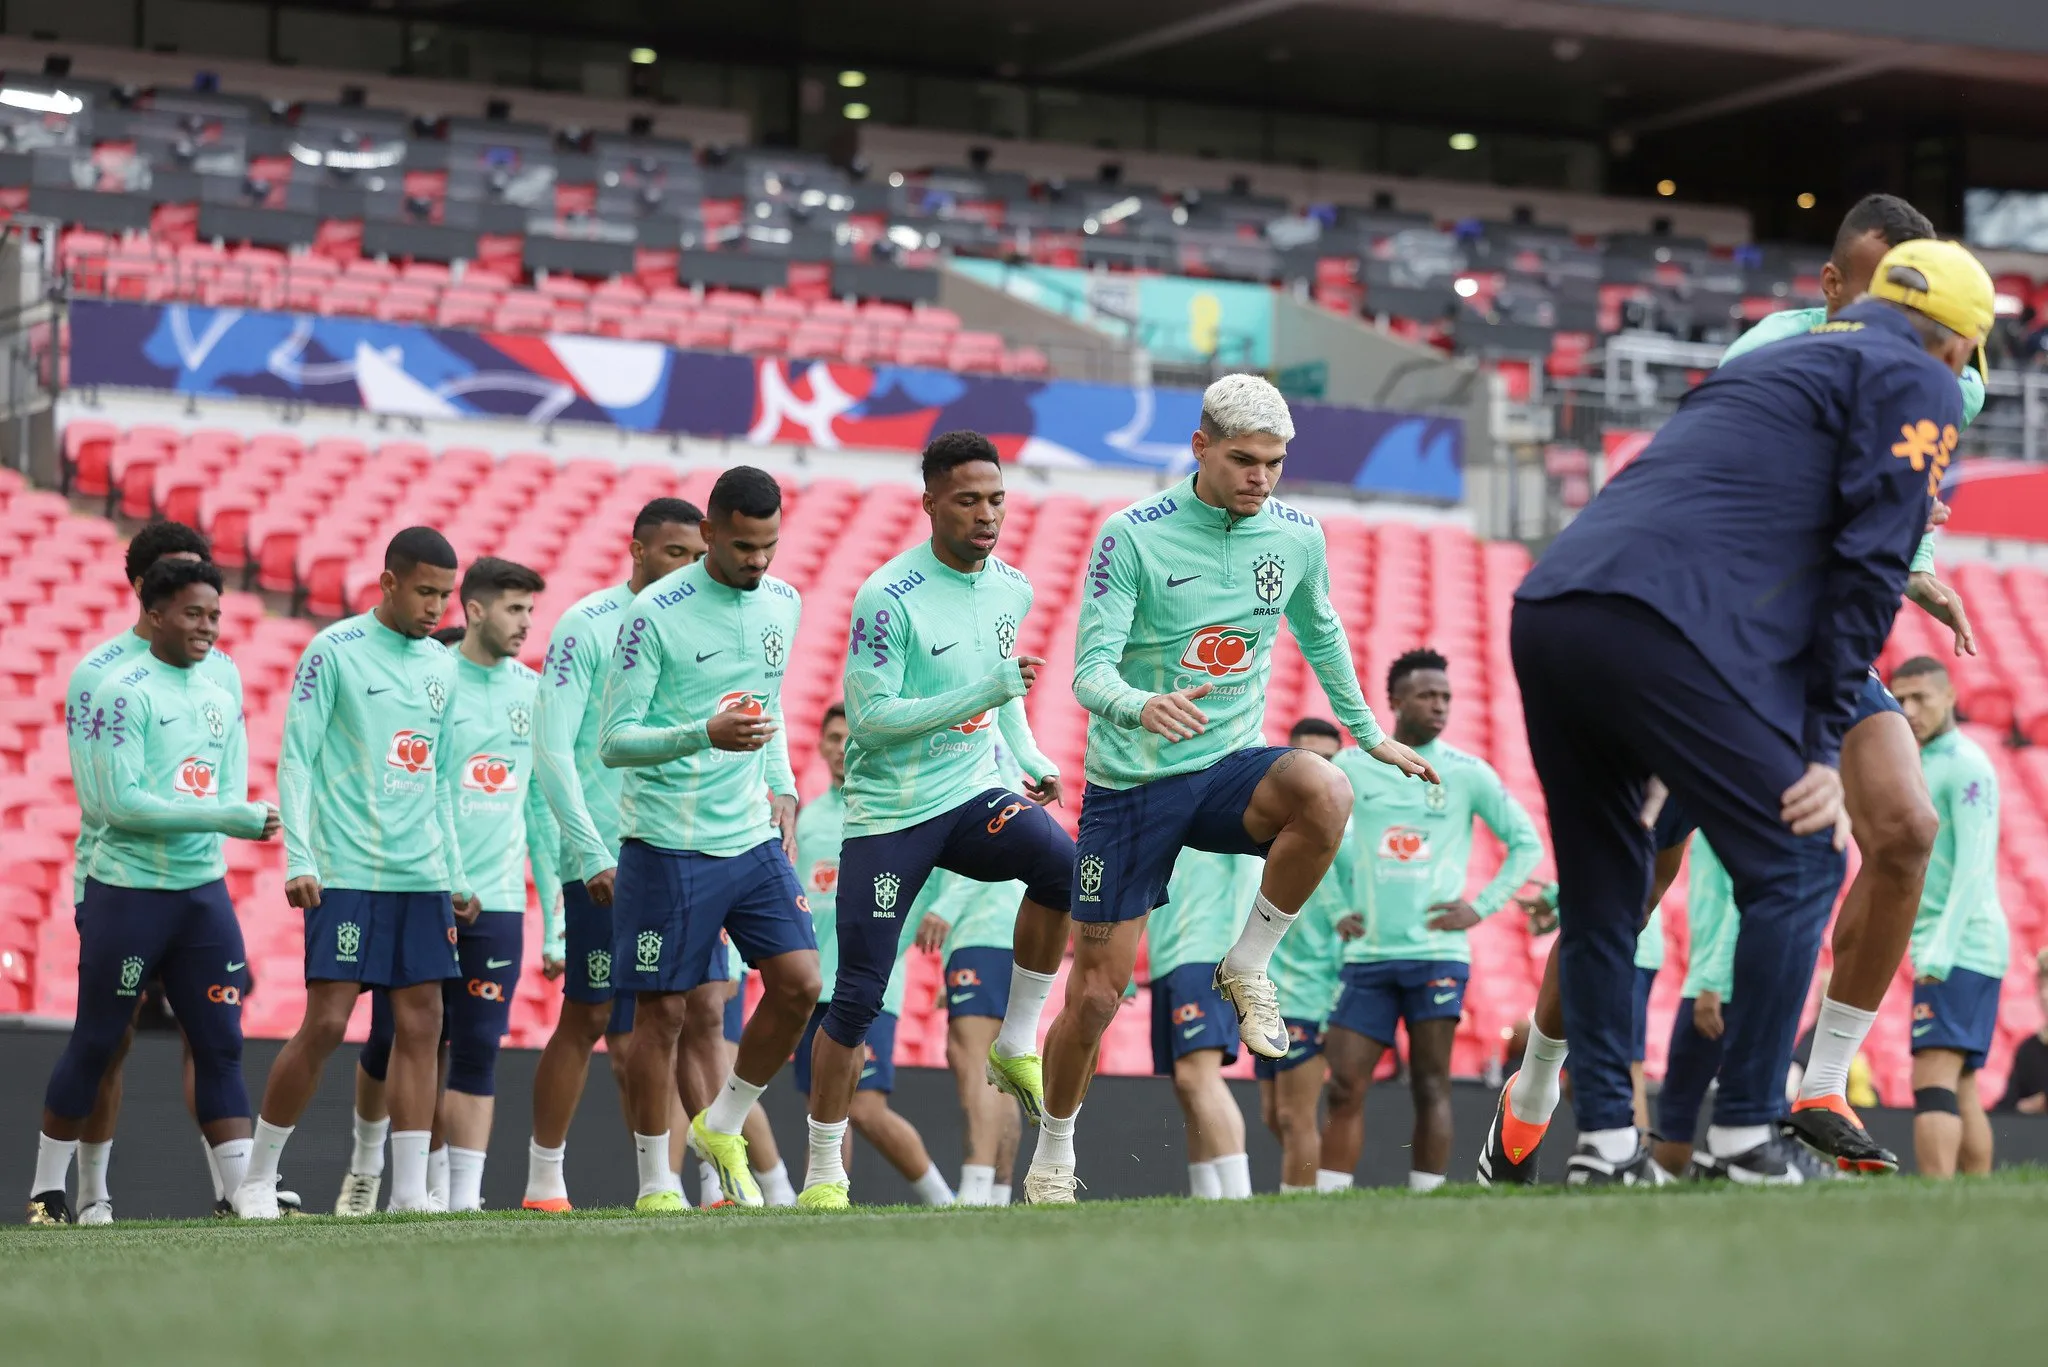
(978, 982)
(1674, 825)
(1377, 997)
(587, 952)
(1959, 1013)
(1639, 1020)
(381, 939)
(1131, 836)
(878, 1064)
(1304, 1042)
(736, 1012)
(668, 907)
(1189, 1014)
(1874, 698)
(993, 837)
(1688, 1073)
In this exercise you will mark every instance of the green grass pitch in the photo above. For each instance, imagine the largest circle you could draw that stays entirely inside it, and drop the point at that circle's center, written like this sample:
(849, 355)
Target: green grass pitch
(1852, 1273)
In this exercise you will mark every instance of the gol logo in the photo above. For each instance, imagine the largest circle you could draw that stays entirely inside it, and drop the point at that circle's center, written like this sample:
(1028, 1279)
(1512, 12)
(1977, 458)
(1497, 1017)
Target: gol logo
(486, 990)
(1187, 1013)
(825, 876)
(411, 751)
(195, 777)
(753, 704)
(228, 995)
(1923, 1011)
(963, 977)
(1404, 844)
(1220, 650)
(487, 773)
(981, 721)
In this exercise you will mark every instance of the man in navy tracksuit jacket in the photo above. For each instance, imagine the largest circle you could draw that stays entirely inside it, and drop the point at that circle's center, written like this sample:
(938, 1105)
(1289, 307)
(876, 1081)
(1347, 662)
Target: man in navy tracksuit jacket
(1709, 620)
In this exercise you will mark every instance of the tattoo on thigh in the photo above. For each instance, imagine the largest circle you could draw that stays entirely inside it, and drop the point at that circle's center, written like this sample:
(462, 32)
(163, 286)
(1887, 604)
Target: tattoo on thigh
(1281, 765)
(1097, 930)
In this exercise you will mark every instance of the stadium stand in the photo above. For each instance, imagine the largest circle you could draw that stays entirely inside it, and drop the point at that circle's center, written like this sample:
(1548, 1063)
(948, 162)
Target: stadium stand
(297, 525)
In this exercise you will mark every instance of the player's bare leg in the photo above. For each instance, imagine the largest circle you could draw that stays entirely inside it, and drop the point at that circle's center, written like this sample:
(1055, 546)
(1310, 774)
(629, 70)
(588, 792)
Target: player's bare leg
(897, 1140)
(790, 985)
(1301, 806)
(558, 1082)
(1290, 1101)
(1429, 1080)
(1973, 1156)
(1217, 1164)
(991, 1124)
(294, 1077)
(412, 1088)
(1038, 944)
(1105, 954)
(1937, 1112)
(1353, 1059)
(651, 1100)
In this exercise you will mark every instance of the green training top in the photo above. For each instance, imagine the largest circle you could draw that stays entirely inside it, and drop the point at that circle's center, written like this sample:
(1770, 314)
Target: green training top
(691, 648)
(820, 826)
(582, 792)
(930, 675)
(366, 782)
(170, 769)
(1207, 900)
(1650, 941)
(1179, 594)
(1792, 323)
(1711, 925)
(80, 706)
(501, 820)
(1961, 924)
(1306, 966)
(1412, 843)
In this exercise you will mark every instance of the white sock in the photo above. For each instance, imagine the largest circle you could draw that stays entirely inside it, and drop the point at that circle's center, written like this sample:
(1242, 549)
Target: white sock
(999, 1194)
(710, 1191)
(231, 1161)
(1837, 1034)
(1286, 1190)
(213, 1168)
(265, 1152)
(409, 1183)
(828, 1159)
(1326, 1180)
(92, 1172)
(1234, 1171)
(1028, 991)
(932, 1188)
(368, 1158)
(1419, 1180)
(1726, 1141)
(650, 1155)
(1533, 1095)
(1203, 1183)
(53, 1164)
(1615, 1146)
(1263, 928)
(544, 1180)
(465, 1179)
(775, 1187)
(437, 1175)
(977, 1180)
(1055, 1139)
(735, 1100)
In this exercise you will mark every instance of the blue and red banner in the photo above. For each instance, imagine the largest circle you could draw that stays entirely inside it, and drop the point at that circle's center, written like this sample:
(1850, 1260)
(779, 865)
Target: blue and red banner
(426, 372)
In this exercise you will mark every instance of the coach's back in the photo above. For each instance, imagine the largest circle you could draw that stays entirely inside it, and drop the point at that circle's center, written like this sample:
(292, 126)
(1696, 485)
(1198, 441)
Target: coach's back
(1773, 518)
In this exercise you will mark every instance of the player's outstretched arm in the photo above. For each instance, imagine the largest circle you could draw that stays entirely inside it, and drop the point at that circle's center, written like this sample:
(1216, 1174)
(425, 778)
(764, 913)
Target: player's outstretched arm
(123, 781)
(1015, 727)
(1104, 626)
(447, 776)
(624, 739)
(1320, 633)
(1510, 823)
(1968, 804)
(234, 780)
(544, 857)
(564, 694)
(306, 717)
(878, 650)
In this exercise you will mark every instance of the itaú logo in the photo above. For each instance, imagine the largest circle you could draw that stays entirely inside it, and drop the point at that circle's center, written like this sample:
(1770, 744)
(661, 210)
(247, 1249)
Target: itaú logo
(1220, 651)
(195, 777)
(411, 751)
(980, 721)
(487, 773)
(752, 704)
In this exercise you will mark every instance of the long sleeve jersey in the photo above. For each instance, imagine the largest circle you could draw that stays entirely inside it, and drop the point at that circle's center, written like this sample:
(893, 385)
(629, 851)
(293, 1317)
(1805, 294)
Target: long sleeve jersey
(581, 791)
(501, 820)
(1711, 924)
(1961, 924)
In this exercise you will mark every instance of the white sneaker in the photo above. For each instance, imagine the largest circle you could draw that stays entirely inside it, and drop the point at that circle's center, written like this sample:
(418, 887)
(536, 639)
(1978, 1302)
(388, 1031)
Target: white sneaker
(288, 1203)
(358, 1194)
(1050, 1184)
(1258, 1011)
(256, 1201)
(98, 1213)
(434, 1204)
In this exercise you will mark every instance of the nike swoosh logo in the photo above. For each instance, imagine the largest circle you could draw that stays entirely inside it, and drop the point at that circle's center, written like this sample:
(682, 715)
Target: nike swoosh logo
(1191, 1031)
(373, 692)
(1840, 1034)
(165, 721)
(1173, 583)
(941, 650)
(1441, 997)
(959, 997)
(707, 655)
(992, 802)
(497, 963)
(1920, 1030)
(237, 968)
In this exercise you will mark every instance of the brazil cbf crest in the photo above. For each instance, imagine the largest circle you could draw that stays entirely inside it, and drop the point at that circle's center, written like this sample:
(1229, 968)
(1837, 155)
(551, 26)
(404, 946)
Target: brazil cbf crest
(131, 975)
(771, 647)
(1006, 635)
(1269, 578)
(216, 724)
(887, 886)
(597, 966)
(1435, 798)
(348, 941)
(519, 717)
(437, 695)
(1091, 876)
(646, 951)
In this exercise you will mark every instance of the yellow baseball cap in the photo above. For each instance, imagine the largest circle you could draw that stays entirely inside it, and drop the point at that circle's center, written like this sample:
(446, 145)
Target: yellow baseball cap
(1942, 280)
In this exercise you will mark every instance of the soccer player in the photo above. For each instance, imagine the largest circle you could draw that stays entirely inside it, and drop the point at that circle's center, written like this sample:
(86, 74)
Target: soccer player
(368, 787)
(1304, 973)
(1406, 955)
(1699, 1026)
(1961, 945)
(501, 821)
(1184, 595)
(157, 541)
(1807, 472)
(1194, 1030)
(169, 778)
(931, 673)
(707, 817)
(584, 796)
(1649, 963)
